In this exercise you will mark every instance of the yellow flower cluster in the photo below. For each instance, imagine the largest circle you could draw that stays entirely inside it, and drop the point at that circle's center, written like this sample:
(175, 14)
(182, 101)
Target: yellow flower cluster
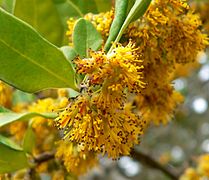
(121, 68)
(43, 128)
(202, 7)
(190, 174)
(131, 86)
(168, 37)
(18, 129)
(158, 106)
(5, 94)
(169, 32)
(200, 172)
(203, 165)
(99, 119)
(101, 21)
(76, 159)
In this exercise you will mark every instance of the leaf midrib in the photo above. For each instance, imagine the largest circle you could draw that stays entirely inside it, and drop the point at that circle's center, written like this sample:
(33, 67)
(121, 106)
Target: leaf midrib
(75, 8)
(34, 62)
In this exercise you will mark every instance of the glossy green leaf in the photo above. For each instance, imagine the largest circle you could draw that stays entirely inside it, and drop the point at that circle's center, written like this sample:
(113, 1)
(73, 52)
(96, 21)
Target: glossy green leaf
(138, 10)
(85, 37)
(29, 140)
(29, 62)
(120, 16)
(9, 117)
(130, 5)
(12, 158)
(43, 16)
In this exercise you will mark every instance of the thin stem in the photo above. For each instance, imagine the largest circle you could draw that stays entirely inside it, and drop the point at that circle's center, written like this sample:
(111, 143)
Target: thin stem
(149, 161)
(46, 156)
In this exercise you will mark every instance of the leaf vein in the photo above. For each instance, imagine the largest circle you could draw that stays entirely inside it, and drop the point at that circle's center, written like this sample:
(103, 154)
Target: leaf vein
(34, 62)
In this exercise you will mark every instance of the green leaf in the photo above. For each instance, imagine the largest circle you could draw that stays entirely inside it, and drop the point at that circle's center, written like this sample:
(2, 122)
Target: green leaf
(67, 9)
(11, 157)
(3, 109)
(20, 96)
(130, 5)
(120, 16)
(85, 6)
(72, 93)
(8, 5)
(6, 118)
(43, 16)
(28, 61)
(70, 54)
(8, 142)
(138, 10)
(103, 5)
(85, 37)
(29, 140)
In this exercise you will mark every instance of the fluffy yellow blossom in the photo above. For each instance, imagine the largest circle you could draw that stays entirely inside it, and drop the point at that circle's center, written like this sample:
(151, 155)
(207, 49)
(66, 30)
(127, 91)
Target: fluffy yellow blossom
(43, 167)
(167, 35)
(200, 172)
(101, 21)
(99, 119)
(76, 160)
(111, 131)
(159, 105)
(203, 165)
(121, 68)
(44, 128)
(190, 174)
(184, 70)
(18, 130)
(44, 105)
(202, 7)
(58, 175)
(5, 94)
(168, 32)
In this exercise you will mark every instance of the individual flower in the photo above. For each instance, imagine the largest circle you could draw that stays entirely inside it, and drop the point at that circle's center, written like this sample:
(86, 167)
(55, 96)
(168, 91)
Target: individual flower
(76, 160)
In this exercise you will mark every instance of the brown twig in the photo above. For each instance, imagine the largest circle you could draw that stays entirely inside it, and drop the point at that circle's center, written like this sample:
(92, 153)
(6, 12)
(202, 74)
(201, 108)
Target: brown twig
(149, 161)
(46, 156)
(139, 156)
